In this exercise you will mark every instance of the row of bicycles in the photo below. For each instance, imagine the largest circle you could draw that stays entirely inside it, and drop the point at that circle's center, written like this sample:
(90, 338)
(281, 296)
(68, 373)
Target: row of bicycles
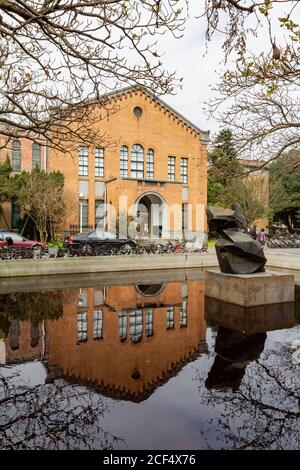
(10, 252)
(290, 241)
(149, 248)
(7, 253)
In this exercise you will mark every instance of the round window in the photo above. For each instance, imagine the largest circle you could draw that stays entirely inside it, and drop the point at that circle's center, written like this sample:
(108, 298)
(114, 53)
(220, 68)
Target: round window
(138, 111)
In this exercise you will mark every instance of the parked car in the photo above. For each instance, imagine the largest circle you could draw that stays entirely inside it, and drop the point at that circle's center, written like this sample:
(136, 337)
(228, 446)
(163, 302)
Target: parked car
(99, 243)
(14, 240)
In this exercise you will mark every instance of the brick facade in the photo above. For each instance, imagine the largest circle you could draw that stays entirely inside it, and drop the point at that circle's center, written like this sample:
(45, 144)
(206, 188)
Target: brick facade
(159, 129)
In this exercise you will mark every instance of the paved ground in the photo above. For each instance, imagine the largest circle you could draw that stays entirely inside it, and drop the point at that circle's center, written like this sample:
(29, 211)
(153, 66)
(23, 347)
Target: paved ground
(279, 251)
(290, 251)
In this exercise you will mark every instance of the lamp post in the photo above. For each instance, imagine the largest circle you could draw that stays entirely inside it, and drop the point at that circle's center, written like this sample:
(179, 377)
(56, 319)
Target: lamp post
(81, 198)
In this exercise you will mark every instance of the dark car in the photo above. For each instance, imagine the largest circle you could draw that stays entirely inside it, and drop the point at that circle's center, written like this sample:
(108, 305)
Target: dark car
(99, 243)
(14, 240)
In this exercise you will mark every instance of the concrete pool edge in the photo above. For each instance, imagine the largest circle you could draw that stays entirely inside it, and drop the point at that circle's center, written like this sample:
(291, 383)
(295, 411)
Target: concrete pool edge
(106, 264)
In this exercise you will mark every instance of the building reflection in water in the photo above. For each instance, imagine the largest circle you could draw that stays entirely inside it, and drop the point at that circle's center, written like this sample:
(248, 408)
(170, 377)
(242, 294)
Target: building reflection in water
(241, 337)
(123, 340)
(127, 340)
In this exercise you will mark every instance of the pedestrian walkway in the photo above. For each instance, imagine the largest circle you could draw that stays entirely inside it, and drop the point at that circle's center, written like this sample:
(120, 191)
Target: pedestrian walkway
(290, 251)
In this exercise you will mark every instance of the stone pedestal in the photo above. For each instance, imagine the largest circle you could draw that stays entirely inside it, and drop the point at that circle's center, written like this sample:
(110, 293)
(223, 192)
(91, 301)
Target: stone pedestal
(249, 320)
(250, 290)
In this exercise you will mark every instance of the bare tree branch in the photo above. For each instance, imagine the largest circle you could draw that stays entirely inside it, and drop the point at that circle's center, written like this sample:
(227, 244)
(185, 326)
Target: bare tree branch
(57, 55)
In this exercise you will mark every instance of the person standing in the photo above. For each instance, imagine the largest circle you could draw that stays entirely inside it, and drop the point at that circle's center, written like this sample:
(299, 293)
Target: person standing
(261, 237)
(253, 232)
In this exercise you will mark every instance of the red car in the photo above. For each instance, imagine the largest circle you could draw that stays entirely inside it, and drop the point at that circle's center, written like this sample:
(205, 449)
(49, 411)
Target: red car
(20, 242)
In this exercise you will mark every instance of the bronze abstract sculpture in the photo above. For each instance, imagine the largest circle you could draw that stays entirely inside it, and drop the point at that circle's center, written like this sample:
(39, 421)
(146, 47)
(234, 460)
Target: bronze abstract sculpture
(236, 250)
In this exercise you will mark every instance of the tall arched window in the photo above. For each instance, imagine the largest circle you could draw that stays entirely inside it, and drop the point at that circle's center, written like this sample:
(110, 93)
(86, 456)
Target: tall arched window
(124, 161)
(123, 326)
(150, 164)
(16, 155)
(137, 161)
(136, 325)
(36, 155)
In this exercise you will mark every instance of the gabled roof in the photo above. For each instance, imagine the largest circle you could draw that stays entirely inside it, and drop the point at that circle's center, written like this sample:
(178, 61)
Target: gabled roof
(204, 135)
(122, 393)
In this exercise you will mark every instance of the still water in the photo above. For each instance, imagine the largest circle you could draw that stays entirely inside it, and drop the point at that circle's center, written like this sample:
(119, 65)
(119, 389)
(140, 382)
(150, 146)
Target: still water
(144, 363)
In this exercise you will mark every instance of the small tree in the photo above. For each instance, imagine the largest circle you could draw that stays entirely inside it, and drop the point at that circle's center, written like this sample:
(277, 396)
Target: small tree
(251, 193)
(285, 189)
(41, 198)
(5, 171)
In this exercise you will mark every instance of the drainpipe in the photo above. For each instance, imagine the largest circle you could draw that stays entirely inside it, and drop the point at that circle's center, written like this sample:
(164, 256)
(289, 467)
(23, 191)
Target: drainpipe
(105, 208)
(45, 156)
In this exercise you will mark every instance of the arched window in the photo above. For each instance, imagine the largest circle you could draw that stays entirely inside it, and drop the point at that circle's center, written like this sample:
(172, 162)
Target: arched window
(136, 325)
(150, 164)
(36, 155)
(137, 161)
(16, 155)
(124, 161)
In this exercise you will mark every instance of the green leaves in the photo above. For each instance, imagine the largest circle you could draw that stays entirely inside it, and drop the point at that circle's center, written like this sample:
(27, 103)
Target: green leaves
(271, 89)
(264, 9)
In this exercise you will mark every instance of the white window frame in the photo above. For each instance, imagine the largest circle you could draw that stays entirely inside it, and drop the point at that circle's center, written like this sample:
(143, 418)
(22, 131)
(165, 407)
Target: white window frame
(149, 322)
(82, 331)
(36, 155)
(99, 162)
(170, 317)
(16, 155)
(137, 162)
(183, 314)
(184, 166)
(123, 325)
(124, 161)
(98, 324)
(83, 161)
(150, 164)
(171, 168)
(136, 325)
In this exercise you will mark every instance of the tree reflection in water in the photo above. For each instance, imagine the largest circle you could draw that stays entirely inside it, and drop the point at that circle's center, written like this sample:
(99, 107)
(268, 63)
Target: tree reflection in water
(30, 306)
(51, 416)
(255, 399)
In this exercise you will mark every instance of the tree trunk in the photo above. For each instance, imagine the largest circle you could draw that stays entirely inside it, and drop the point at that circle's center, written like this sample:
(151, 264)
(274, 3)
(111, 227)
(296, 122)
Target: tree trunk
(3, 215)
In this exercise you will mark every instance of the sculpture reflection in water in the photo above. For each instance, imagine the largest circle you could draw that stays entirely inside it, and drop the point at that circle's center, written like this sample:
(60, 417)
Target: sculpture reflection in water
(241, 337)
(253, 386)
(236, 250)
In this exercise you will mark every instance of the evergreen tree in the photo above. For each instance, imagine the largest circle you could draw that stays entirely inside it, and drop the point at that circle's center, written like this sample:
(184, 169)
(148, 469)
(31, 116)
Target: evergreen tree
(285, 189)
(223, 165)
(5, 171)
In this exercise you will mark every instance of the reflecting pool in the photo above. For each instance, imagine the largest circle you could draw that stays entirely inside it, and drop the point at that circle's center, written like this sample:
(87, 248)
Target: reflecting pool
(144, 362)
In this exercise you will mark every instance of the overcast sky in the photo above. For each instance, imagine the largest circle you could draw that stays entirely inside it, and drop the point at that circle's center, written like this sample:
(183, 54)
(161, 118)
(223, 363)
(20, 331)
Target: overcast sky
(199, 68)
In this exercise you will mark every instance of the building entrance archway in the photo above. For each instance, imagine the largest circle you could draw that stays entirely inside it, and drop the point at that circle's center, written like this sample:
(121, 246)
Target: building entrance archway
(151, 212)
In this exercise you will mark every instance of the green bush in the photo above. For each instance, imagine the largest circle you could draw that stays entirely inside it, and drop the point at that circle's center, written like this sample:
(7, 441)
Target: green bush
(56, 244)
